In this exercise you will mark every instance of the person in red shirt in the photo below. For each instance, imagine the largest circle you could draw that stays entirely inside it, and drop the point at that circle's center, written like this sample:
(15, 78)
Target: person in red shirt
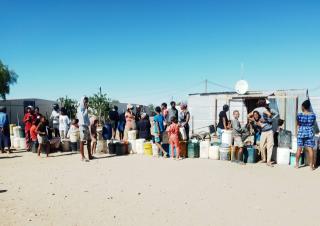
(28, 119)
(34, 134)
(173, 131)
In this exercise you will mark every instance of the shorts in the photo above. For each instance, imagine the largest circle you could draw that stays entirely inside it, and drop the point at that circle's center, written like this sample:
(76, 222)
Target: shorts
(114, 124)
(5, 139)
(158, 139)
(42, 139)
(237, 142)
(84, 134)
(306, 142)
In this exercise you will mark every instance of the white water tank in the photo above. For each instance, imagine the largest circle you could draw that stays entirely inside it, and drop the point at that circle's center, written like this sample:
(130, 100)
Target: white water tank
(283, 156)
(204, 149)
(214, 152)
(226, 138)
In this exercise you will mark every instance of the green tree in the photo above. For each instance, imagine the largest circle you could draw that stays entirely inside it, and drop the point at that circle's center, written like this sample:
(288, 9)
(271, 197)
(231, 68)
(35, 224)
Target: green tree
(70, 105)
(151, 107)
(100, 105)
(7, 78)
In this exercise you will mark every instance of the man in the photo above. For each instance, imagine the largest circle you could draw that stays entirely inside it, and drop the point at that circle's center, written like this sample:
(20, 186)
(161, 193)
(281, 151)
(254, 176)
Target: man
(237, 132)
(223, 120)
(84, 123)
(37, 113)
(267, 136)
(114, 118)
(159, 130)
(173, 112)
(4, 131)
(138, 113)
(28, 119)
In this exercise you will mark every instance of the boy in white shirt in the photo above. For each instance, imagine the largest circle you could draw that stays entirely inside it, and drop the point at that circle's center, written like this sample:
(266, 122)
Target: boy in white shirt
(74, 134)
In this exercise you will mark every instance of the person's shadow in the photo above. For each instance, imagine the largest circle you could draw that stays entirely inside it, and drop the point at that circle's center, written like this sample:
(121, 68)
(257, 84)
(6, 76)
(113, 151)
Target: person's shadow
(10, 157)
(3, 191)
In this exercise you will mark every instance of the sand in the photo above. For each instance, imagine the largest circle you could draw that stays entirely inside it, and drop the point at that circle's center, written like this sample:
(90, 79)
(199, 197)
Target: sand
(139, 190)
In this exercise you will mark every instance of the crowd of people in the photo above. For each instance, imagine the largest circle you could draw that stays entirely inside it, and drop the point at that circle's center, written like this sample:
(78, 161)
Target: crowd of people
(262, 131)
(82, 130)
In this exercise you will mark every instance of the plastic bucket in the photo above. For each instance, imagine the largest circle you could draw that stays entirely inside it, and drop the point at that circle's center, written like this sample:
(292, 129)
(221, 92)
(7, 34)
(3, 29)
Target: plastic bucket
(148, 149)
(112, 148)
(214, 152)
(283, 156)
(132, 135)
(204, 149)
(224, 153)
(132, 146)
(101, 146)
(16, 143)
(22, 144)
(250, 155)
(293, 159)
(140, 146)
(65, 143)
(193, 149)
(121, 148)
(226, 137)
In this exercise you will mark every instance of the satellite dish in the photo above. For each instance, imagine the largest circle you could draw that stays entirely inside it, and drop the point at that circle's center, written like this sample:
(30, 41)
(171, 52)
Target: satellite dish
(242, 87)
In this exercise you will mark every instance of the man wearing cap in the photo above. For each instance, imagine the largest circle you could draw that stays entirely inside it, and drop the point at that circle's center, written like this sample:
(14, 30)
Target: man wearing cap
(4, 131)
(28, 119)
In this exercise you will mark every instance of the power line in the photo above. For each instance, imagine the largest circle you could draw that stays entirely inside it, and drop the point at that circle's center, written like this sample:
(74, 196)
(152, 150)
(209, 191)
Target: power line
(221, 86)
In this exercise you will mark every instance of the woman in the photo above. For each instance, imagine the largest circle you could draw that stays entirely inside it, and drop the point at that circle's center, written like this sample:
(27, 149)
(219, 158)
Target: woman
(223, 120)
(184, 118)
(54, 118)
(121, 125)
(144, 127)
(130, 121)
(306, 121)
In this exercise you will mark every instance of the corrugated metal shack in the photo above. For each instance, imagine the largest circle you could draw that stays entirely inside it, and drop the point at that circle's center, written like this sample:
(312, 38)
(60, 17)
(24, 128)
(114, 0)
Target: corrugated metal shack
(205, 107)
(16, 108)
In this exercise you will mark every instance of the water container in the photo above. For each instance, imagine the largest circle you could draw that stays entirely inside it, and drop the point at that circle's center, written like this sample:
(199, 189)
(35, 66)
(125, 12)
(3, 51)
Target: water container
(193, 149)
(183, 149)
(12, 142)
(139, 146)
(226, 137)
(121, 148)
(17, 132)
(16, 142)
(214, 152)
(283, 156)
(183, 133)
(204, 149)
(65, 145)
(148, 149)
(132, 135)
(11, 126)
(107, 131)
(22, 144)
(155, 150)
(294, 144)
(250, 154)
(132, 146)
(224, 153)
(101, 146)
(112, 148)
(285, 139)
(293, 159)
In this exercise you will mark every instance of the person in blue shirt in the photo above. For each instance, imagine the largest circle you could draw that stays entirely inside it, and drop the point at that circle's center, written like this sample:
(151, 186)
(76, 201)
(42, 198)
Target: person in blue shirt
(306, 121)
(159, 128)
(5, 142)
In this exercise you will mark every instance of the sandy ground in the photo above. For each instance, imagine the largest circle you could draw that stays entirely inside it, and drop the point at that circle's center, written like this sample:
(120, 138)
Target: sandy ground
(139, 190)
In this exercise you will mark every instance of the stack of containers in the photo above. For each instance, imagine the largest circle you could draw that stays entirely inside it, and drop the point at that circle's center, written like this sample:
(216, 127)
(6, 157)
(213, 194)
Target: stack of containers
(284, 149)
(226, 143)
(132, 139)
(18, 140)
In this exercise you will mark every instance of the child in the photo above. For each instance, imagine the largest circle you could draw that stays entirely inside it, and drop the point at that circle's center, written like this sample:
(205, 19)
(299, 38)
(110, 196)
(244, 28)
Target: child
(237, 132)
(93, 134)
(158, 120)
(43, 136)
(64, 123)
(74, 134)
(34, 135)
(173, 131)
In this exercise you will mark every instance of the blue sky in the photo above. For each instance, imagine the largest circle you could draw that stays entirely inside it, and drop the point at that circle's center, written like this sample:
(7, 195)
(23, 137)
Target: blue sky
(147, 51)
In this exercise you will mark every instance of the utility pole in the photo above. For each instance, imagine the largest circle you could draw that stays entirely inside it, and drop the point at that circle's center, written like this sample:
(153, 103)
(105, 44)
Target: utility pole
(206, 86)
